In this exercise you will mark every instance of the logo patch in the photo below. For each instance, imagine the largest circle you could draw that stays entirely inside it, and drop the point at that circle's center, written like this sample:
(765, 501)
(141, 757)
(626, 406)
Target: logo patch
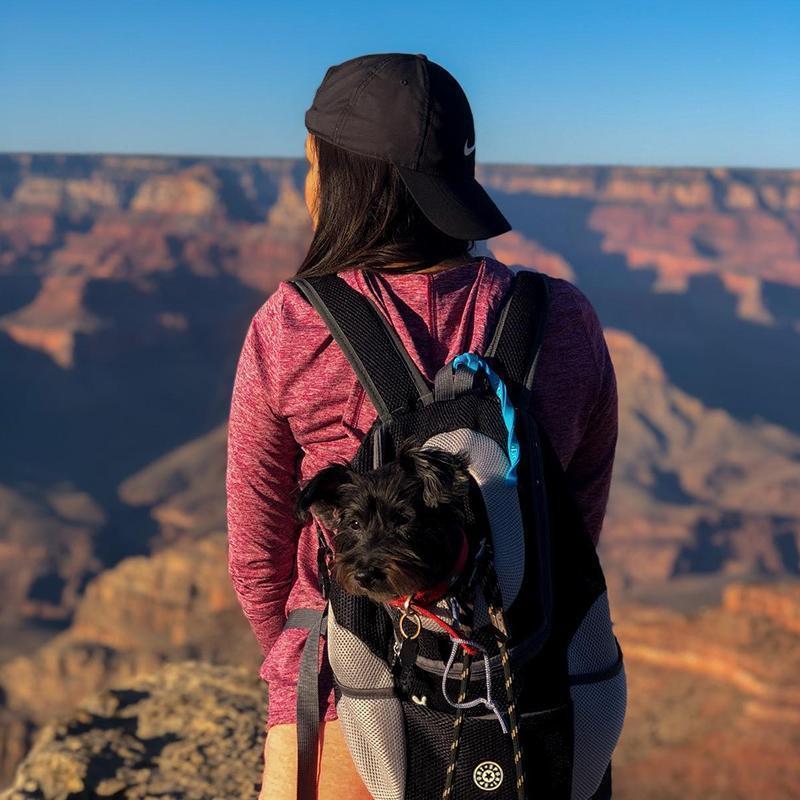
(468, 150)
(488, 775)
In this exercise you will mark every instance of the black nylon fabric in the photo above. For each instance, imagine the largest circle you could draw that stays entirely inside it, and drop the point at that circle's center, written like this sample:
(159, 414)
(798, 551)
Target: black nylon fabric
(546, 737)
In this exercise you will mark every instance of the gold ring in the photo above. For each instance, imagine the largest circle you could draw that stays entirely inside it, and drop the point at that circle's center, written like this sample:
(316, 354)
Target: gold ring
(403, 617)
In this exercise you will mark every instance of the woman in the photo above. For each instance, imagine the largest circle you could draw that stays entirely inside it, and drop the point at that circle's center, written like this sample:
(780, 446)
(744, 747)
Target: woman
(396, 211)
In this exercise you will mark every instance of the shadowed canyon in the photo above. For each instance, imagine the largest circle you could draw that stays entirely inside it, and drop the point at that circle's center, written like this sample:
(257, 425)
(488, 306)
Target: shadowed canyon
(126, 287)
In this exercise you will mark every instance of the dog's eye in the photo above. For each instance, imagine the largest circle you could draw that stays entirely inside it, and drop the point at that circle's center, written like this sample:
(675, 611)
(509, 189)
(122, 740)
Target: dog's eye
(354, 525)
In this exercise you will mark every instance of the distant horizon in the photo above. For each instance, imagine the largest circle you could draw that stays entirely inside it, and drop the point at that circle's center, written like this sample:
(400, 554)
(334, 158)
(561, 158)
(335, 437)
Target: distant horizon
(554, 165)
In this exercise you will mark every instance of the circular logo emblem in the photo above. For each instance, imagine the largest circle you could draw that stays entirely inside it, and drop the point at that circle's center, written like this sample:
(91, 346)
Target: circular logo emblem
(488, 775)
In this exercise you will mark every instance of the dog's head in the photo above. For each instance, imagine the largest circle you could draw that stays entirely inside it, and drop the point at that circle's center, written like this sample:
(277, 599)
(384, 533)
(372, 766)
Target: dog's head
(397, 529)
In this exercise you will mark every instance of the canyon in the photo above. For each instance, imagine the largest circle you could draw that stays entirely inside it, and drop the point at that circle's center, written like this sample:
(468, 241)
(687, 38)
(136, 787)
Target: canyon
(126, 286)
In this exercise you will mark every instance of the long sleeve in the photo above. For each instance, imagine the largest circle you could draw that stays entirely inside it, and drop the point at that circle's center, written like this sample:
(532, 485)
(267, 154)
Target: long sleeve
(261, 481)
(590, 468)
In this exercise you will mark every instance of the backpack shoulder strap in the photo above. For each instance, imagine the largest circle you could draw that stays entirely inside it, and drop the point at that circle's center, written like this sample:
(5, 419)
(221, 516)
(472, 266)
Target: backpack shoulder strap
(518, 334)
(370, 344)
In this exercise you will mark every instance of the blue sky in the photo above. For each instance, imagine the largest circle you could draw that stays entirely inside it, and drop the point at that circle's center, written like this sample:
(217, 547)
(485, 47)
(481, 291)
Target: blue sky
(664, 83)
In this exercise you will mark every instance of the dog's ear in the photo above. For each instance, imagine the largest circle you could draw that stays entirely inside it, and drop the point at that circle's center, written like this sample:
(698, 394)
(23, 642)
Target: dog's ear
(320, 494)
(444, 475)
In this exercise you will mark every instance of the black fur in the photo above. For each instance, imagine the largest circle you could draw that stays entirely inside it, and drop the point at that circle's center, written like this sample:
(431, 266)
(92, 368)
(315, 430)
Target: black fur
(396, 529)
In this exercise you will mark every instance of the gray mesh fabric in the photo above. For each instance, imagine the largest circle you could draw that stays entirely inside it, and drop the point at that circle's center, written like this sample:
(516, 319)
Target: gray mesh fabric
(375, 735)
(593, 647)
(352, 662)
(598, 715)
(598, 706)
(488, 467)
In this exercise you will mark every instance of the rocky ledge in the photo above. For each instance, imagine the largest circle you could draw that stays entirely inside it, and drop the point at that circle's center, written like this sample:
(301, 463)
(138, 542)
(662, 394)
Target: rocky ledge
(190, 731)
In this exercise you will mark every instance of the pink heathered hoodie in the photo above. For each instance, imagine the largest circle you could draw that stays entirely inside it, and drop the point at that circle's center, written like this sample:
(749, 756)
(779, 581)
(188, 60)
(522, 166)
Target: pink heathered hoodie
(297, 406)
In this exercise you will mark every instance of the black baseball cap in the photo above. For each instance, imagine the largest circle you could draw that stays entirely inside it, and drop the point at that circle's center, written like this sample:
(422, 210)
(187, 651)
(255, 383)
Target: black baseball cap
(408, 110)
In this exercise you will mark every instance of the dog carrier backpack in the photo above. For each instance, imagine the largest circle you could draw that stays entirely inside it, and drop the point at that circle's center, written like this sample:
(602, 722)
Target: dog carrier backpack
(527, 696)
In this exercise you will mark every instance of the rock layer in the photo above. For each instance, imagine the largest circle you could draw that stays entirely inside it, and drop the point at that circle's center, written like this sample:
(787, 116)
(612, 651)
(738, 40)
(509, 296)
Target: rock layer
(190, 731)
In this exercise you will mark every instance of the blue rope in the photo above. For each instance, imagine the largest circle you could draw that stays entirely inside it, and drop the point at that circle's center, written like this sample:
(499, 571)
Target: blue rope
(475, 362)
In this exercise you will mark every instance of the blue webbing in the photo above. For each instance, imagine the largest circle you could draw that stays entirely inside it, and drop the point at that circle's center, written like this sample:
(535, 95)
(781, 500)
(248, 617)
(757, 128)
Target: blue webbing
(474, 362)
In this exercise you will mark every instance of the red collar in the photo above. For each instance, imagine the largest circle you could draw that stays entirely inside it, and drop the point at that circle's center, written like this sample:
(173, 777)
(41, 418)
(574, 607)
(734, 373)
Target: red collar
(430, 596)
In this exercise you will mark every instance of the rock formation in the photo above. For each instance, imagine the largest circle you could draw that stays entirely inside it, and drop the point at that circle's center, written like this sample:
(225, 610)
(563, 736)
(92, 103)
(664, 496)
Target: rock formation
(714, 699)
(174, 605)
(46, 550)
(713, 713)
(126, 284)
(189, 730)
(694, 491)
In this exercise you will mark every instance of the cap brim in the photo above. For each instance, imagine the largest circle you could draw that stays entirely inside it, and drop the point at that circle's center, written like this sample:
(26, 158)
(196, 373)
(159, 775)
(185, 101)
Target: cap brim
(459, 207)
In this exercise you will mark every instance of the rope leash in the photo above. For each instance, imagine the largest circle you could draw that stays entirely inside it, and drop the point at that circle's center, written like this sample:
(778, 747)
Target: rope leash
(487, 701)
(458, 722)
(496, 614)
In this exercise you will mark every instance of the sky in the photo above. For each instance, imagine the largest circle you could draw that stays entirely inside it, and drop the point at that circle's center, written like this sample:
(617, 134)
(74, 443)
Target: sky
(700, 83)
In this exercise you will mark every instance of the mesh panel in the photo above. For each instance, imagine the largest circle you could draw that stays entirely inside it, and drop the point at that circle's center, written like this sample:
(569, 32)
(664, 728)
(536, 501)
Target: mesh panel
(430, 734)
(488, 466)
(367, 619)
(375, 736)
(523, 326)
(485, 765)
(593, 647)
(598, 714)
(352, 662)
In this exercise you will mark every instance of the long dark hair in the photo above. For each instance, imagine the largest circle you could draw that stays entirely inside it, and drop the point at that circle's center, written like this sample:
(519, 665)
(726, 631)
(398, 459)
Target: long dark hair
(368, 219)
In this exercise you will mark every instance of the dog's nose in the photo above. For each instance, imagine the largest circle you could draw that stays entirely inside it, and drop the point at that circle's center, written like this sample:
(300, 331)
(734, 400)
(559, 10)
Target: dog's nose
(368, 577)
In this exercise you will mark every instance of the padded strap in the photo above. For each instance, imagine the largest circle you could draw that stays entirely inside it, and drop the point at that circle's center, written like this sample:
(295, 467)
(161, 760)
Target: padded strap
(518, 334)
(308, 699)
(371, 345)
(450, 383)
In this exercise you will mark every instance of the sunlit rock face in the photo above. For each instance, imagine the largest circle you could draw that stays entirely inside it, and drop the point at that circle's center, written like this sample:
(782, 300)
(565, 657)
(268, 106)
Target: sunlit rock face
(714, 698)
(126, 287)
(132, 618)
(189, 729)
(695, 491)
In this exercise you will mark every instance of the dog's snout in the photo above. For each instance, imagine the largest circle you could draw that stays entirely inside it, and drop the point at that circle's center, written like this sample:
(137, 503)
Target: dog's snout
(368, 576)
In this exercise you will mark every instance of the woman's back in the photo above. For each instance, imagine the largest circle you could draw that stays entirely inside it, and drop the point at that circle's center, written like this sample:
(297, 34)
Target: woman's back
(297, 406)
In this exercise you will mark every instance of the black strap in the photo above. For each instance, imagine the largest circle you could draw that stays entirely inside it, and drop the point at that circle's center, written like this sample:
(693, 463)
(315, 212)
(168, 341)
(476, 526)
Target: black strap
(371, 345)
(450, 383)
(518, 334)
(308, 699)
(381, 363)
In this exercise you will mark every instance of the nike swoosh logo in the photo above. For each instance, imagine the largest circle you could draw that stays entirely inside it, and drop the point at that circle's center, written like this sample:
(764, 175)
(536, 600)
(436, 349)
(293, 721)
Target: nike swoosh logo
(468, 150)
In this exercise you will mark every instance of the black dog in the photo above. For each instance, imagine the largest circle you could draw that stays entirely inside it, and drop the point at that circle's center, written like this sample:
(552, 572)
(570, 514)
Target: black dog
(398, 529)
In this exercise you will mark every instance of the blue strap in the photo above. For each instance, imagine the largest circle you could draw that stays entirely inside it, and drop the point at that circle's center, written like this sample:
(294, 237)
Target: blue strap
(475, 362)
